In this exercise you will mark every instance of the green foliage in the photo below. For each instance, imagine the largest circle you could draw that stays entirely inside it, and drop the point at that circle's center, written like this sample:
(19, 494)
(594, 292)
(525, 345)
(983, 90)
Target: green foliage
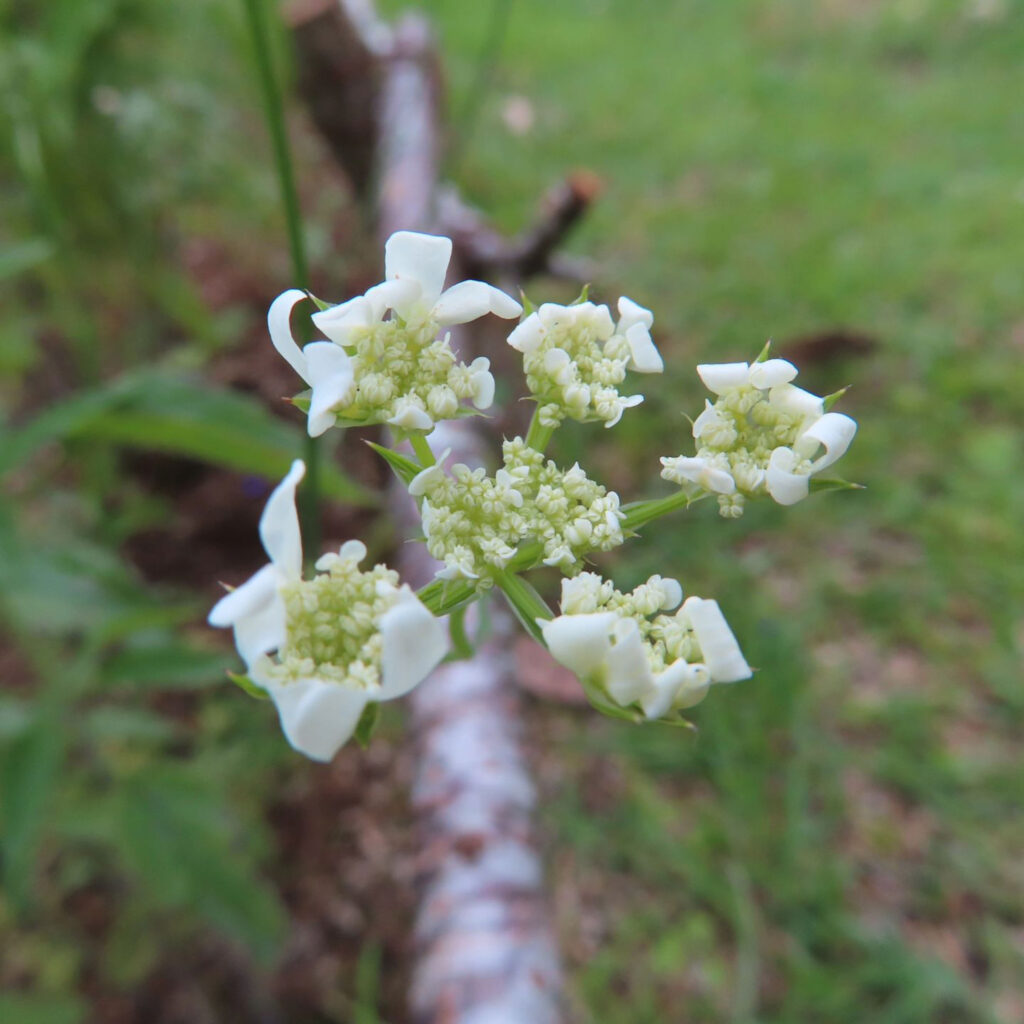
(163, 411)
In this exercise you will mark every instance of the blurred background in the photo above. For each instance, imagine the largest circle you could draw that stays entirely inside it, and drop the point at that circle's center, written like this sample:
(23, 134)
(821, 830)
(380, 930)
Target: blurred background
(842, 839)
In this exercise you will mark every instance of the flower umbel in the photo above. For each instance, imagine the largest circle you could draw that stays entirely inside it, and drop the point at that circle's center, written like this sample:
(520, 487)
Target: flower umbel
(342, 639)
(395, 370)
(762, 435)
(575, 357)
(474, 522)
(628, 647)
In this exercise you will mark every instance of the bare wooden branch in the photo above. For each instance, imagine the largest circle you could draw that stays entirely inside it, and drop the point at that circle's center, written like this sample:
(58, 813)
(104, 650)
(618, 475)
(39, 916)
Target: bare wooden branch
(409, 155)
(485, 948)
(488, 255)
(338, 60)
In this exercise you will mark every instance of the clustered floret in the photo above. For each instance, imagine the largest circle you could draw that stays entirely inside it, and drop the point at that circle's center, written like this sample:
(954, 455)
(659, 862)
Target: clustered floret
(332, 621)
(393, 370)
(575, 357)
(324, 648)
(630, 648)
(474, 523)
(762, 435)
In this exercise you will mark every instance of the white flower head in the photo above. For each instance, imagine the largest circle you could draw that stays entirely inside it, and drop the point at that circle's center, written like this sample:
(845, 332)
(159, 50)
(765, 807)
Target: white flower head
(325, 648)
(762, 435)
(380, 368)
(630, 648)
(575, 357)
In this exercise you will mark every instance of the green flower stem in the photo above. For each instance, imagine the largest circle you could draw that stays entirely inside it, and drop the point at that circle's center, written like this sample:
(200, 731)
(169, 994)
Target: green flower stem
(422, 449)
(538, 436)
(273, 111)
(640, 513)
(461, 646)
(524, 600)
(445, 596)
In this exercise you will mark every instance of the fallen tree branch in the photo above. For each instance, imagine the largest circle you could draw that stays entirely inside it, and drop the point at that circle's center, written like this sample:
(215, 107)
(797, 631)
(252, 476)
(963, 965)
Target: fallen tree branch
(485, 950)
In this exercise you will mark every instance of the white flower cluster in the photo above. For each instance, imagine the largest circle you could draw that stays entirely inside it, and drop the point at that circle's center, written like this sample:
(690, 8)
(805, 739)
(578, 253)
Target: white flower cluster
(575, 357)
(474, 523)
(342, 639)
(762, 435)
(567, 512)
(630, 648)
(396, 370)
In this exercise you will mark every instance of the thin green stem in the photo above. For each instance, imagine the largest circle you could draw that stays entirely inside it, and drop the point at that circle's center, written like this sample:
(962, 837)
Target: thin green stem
(273, 109)
(461, 645)
(422, 449)
(524, 600)
(642, 512)
(538, 436)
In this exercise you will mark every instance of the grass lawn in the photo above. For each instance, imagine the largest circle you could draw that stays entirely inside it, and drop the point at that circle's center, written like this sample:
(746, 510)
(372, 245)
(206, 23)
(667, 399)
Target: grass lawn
(842, 840)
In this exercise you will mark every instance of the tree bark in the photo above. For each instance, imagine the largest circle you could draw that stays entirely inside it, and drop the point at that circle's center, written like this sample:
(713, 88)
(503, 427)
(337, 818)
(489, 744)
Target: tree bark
(485, 949)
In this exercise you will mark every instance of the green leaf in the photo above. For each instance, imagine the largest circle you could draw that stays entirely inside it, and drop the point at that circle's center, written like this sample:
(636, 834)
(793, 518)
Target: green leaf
(444, 596)
(16, 259)
(164, 411)
(600, 701)
(765, 352)
(582, 297)
(164, 665)
(29, 773)
(528, 306)
(30, 1008)
(404, 467)
(367, 724)
(251, 688)
(319, 303)
(133, 725)
(830, 400)
(524, 601)
(819, 486)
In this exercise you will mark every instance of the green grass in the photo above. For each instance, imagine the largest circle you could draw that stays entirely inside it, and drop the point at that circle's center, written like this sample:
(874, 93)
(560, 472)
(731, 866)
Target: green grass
(838, 842)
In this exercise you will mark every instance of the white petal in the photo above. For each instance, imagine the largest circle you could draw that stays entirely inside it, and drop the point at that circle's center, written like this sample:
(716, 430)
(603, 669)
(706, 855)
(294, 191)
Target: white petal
(338, 321)
(414, 641)
(255, 593)
(721, 652)
(317, 716)
(411, 417)
(332, 376)
(397, 295)
(679, 686)
(411, 256)
(279, 323)
(580, 642)
(469, 300)
(628, 402)
(353, 551)
(709, 417)
(527, 336)
(261, 632)
(796, 401)
(629, 677)
(279, 524)
(771, 373)
(720, 377)
(698, 471)
(425, 479)
(785, 486)
(834, 431)
(631, 313)
(672, 591)
(483, 389)
(667, 687)
(644, 357)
